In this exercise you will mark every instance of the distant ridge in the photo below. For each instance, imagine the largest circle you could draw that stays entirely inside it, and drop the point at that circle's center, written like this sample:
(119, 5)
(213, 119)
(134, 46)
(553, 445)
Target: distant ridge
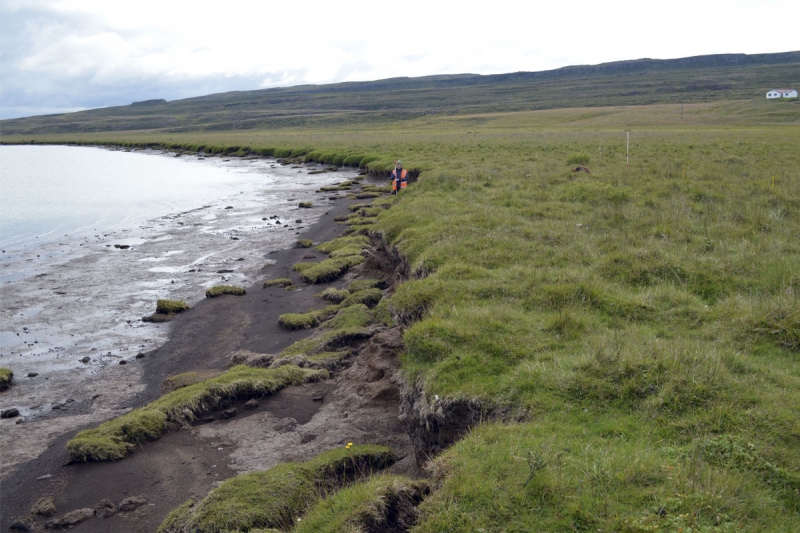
(631, 82)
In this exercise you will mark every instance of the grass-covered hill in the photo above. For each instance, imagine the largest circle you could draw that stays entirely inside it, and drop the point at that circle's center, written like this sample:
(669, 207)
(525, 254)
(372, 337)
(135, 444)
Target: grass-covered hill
(637, 82)
(628, 340)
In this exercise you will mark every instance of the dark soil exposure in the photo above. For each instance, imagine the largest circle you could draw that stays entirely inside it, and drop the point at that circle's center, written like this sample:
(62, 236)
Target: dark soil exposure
(359, 404)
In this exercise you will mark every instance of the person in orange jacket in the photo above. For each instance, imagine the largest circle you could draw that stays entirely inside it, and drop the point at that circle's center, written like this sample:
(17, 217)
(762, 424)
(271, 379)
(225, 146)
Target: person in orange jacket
(399, 177)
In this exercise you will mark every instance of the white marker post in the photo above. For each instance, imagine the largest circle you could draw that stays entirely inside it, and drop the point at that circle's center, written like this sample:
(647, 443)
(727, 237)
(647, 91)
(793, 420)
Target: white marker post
(627, 145)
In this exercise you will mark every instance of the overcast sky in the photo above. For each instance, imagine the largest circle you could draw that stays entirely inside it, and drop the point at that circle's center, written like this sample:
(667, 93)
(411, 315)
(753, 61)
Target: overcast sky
(68, 55)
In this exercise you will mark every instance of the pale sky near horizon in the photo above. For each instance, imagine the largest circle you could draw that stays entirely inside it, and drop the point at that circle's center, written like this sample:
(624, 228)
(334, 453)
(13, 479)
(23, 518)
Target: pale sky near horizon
(67, 55)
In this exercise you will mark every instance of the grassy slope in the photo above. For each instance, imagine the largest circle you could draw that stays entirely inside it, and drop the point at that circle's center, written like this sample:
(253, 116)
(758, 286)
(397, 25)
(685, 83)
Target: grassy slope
(706, 79)
(643, 322)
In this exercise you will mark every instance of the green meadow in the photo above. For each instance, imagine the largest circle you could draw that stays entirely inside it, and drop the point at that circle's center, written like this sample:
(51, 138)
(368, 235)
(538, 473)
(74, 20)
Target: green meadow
(631, 337)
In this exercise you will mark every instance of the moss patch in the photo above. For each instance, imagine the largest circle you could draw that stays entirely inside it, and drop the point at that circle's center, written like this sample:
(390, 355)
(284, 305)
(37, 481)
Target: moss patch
(305, 243)
(276, 498)
(219, 290)
(6, 379)
(114, 439)
(305, 205)
(354, 317)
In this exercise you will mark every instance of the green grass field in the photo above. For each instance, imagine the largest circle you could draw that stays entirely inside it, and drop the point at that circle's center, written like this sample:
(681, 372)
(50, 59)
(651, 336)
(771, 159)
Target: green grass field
(632, 336)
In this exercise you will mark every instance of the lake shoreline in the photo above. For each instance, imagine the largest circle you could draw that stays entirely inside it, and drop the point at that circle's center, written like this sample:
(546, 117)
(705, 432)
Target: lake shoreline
(89, 306)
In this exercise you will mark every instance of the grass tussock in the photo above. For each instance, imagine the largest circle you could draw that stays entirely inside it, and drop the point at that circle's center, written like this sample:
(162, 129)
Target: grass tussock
(6, 378)
(334, 295)
(170, 306)
(306, 320)
(114, 440)
(305, 243)
(219, 290)
(184, 379)
(363, 284)
(276, 498)
(381, 503)
(278, 282)
(329, 269)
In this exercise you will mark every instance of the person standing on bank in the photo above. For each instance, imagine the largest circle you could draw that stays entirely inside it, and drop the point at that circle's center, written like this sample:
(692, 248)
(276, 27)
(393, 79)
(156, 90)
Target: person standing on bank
(399, 177)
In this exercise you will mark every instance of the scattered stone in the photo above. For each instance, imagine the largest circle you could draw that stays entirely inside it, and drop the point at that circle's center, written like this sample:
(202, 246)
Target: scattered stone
(309, 256)
(19, 420)
(106, 509)
(298, 221)
(229, 207)
(123, 362)
(86, 359)
(70, 519)
(140, 355)
(277, 222)
(44, 477)
(44, 507)
(122, 246)
(22, 524)
(32, 374)
(224, 271)
(229, 413)
(10, 413)
(251, 404)
(131, 504)
(318, 397)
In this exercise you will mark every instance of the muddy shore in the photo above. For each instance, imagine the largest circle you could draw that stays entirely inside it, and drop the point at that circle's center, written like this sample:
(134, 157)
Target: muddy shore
(360, 404)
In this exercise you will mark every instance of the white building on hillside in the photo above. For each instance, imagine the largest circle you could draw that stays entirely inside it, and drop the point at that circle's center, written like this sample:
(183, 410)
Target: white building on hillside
(782, 93)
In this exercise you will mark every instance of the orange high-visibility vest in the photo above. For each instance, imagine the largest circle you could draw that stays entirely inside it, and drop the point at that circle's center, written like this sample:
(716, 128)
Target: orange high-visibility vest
(403, 179)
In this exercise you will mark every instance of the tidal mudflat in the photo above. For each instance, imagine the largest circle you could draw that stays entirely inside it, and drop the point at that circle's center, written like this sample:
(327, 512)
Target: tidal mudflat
(72, 308)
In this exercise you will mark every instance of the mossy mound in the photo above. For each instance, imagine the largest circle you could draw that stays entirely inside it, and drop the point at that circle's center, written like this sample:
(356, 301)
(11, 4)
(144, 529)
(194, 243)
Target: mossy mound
(363, 284)
(6, 379)
(354, 317)
(166, 307)
(305, 205)
(184, 379)
(114, 439)
(219, 290)
(277, 497)
(307, 320)
(336, 244)
(305, 243)
(330, 269)
(334, 295)
(368, 297)
(382, 503)
(278, 282)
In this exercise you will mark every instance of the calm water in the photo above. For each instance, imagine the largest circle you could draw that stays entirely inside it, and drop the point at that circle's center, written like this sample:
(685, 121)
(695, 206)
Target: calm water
(49, 191)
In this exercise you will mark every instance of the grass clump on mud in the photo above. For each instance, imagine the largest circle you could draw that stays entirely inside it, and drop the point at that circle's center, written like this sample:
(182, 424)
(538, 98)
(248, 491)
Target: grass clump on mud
(277, 497)
(329, 269)
(334, 295)
(278, 282)
(219, 290)
(170, 306)
(6, 378)
(114, 440)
